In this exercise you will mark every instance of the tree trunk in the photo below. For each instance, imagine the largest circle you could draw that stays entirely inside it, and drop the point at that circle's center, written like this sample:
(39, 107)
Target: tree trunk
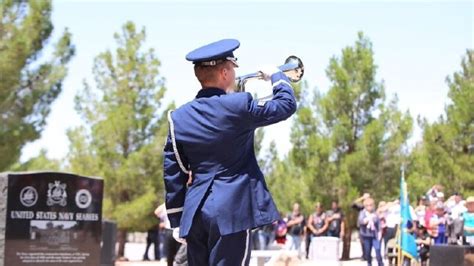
(121, 239)
(349, 225)
(346, 243)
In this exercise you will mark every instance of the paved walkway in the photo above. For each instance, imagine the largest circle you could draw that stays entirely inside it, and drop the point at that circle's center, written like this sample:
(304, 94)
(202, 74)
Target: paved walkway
(134, 252)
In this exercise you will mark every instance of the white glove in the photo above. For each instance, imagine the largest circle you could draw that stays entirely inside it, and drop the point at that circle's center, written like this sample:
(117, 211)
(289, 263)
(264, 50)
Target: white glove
(268, 71)
(176, 236)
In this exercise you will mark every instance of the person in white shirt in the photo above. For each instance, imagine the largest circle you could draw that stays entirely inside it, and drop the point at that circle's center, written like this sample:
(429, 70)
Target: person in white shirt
(393, 217)
(456, 206)
(432, 193)
(420, 210)
(392, 220)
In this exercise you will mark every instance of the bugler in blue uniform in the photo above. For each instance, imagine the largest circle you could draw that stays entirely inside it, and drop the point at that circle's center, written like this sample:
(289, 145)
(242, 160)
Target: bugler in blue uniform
(214, 139)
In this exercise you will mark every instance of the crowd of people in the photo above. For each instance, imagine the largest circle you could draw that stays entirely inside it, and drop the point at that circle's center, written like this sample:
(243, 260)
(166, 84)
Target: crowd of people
(436, 221)
(296, 229)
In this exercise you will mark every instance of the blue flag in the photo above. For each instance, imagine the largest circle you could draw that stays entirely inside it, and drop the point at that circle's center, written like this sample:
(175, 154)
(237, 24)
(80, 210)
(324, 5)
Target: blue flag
(408, 243)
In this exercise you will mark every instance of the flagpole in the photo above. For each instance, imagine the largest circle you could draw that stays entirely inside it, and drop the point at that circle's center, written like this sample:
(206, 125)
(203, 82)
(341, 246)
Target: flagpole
(399, 246)
(400, 250)
(401, 223)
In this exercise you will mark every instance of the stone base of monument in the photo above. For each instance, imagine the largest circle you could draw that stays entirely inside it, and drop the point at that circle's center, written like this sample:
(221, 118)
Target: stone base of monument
(50, 218)
(324, 251)
(109, 232)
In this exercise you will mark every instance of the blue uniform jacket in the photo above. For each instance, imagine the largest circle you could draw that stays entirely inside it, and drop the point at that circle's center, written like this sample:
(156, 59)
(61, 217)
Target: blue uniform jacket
(215, 139)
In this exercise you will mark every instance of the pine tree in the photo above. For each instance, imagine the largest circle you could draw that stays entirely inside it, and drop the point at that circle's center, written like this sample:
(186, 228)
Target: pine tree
(29, 81)
(346, 141)
(124, 133)
(446, 154)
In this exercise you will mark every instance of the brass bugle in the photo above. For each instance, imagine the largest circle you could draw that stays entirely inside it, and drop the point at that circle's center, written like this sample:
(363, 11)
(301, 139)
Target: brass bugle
(293, 68)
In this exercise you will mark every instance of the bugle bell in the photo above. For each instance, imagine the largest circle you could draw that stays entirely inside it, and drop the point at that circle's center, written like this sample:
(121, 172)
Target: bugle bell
(293, 69)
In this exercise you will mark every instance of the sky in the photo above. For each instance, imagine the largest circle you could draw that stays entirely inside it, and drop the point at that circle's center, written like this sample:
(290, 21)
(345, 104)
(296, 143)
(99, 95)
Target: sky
(416, 46)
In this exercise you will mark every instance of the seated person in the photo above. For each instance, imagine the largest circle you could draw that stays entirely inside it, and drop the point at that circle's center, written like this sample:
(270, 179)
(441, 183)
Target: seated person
(423, 241)
(280, 232)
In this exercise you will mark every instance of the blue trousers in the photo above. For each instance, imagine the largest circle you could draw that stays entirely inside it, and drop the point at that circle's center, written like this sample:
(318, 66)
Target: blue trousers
(295, 242)
(370, 242)
(206, 246)
(261, 239)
